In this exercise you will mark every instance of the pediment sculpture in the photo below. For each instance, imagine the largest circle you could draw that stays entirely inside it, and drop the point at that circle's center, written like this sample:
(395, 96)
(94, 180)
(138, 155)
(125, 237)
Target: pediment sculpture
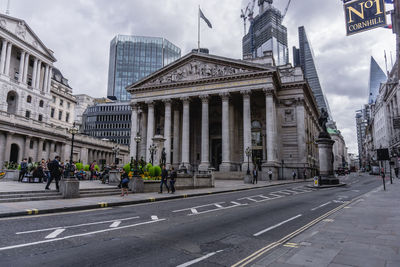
(196, 70)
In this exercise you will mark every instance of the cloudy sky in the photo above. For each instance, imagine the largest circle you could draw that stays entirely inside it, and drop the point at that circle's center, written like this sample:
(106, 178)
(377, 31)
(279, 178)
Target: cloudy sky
(79, 33)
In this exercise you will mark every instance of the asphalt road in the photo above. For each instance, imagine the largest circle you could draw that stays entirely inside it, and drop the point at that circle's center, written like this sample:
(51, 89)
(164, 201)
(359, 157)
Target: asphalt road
(214, 230)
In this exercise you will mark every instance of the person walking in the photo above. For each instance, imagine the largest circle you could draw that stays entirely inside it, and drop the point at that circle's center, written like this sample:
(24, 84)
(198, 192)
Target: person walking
(24, 170)
(92, 169)
(55, 172)
(164, 178)
(294, 175)
(255, 174)
(124, 183)
(172, 180)
(305, 174)
(270, 175)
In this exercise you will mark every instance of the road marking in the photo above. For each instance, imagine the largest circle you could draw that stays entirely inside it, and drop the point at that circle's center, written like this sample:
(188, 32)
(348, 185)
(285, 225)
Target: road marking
(328, 220)
(194, 211)
(115, 224)
(74, 226)
(218, 206)
(320, 206)
(291, 245)
(275, 195)
(223, 208)
(283, 192)
(356, 191)
(199, 259)
(237, 203)
(154, 217)
(77, 235)
(54, 234)
(206, 205)
(51, 214)
(276, 225)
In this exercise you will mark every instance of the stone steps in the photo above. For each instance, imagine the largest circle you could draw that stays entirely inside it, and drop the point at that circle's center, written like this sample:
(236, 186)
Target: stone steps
(229, 175)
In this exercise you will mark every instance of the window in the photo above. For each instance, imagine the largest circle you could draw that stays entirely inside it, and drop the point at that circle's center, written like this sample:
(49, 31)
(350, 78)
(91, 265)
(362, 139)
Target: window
(67, 117)
(52, 113)
(29, 99)
(54, 99)
(60, 115)
(55, 147)
(31, 144)
(40, 117)
(68, 105)
(27, 114)
(61, 102)
(41, 103)
(44, 146)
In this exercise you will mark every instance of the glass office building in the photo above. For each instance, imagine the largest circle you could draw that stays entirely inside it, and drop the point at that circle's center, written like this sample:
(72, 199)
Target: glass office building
(376, 77)
(135, 57)
(304, 57)
(267, 33)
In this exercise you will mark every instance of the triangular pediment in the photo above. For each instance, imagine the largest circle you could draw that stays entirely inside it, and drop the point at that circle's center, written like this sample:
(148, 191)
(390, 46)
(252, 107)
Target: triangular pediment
(22, 31)
(197, 66)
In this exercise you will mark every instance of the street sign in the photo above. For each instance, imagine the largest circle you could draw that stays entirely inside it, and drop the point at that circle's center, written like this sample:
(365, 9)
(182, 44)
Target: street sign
(363, 15)
(383, 154)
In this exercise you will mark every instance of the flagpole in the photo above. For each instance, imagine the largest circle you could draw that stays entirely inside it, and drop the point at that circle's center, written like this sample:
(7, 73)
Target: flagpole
(198, 30)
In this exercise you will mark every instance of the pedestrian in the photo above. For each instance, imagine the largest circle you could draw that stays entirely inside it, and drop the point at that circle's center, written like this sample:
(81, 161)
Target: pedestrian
(45, 170)
(294, 175)
(270, 175)
(24, 169)
(172, 180)
(55, 169)
(305, 174)
(255, 174)
(396, 172)
(164, 177)
(38, 173)
(124, 183)
(92, 169)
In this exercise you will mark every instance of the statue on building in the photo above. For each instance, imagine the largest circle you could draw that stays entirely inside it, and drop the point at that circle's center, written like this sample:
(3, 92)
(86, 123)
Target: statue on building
(163, 157)
(323, 119)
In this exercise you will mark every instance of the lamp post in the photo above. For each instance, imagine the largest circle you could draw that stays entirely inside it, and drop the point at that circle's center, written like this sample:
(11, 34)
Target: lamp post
(70, 169)
(137, 139)
(248, 154)
(115, 149)
(152, 150)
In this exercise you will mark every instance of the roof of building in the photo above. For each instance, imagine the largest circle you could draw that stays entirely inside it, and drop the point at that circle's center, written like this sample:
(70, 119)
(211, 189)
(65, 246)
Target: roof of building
(57, 76)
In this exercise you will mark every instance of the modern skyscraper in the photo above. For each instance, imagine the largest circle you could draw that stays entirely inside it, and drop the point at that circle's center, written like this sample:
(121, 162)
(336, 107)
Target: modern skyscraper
(267, 33)
(133, 58)
(304, 57)
(376, 77)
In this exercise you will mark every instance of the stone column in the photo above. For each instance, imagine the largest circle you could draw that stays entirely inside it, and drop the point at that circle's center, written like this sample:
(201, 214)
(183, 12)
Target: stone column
(51, 152)
(225, 166)
(8, 59)
(150, 128)
(3, 56)
(3, 145)
(40, 149)
(21, 67)
(48, 85)
(26, 65)
(205, 138)
(176, 138)
(246, 128)
(167, 131)
(143, 132)
(134, 130)
(39, 70)
(27, 147)
(7, 149)
(301, 132)
(34, 72)
(45, 80)
(185, 133)
(270, 124)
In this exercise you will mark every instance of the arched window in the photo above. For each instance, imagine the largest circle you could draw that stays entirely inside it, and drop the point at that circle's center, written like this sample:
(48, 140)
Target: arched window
(41, 103)
(29, 99)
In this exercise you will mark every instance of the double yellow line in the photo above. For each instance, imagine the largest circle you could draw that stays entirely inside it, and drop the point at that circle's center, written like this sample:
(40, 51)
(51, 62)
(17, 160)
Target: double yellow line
(283, 240)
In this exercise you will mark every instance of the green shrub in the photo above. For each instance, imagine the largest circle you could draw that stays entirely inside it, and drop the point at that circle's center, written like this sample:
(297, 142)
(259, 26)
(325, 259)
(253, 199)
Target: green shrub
(79, 166)
(127, 167)
(86, 168)
(151, 171)
(157, 171)
(96, 168)
(148, 166)
(19, 167)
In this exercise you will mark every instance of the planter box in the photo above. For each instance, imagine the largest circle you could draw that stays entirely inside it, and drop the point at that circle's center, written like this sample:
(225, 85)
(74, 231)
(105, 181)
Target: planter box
(11, 175)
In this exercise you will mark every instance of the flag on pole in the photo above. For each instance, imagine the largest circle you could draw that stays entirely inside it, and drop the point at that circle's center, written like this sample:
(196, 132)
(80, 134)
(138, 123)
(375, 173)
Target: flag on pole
(204, 18)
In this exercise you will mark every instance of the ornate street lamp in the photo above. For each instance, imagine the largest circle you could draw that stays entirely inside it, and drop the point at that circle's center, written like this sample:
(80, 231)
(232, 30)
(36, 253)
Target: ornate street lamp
(137, 139)
(152, 149)
(248, 154)
(70, 169)
(115, 149)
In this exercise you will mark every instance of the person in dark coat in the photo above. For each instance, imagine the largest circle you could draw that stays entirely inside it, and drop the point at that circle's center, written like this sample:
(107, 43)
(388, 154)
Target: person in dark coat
(164, 178)
(55, 172)
(255, 175)
(24, 170)
(172, 180)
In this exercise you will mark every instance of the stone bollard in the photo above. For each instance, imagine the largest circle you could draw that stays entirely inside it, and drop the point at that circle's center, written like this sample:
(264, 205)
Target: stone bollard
(114, 178)
(136, 184)
(248, 179)
(69, 188)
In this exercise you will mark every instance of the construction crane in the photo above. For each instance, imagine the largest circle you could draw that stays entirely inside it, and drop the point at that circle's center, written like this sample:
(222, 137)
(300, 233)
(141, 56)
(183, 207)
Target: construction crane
(248, 13)
(286, 9)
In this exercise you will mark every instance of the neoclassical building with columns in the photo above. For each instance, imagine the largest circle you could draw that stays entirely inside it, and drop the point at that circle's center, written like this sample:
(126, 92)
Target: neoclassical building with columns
(211, 109)
(28, 90)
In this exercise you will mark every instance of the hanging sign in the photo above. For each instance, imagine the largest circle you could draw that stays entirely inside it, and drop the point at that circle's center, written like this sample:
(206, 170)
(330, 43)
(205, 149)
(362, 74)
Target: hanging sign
(363, 15)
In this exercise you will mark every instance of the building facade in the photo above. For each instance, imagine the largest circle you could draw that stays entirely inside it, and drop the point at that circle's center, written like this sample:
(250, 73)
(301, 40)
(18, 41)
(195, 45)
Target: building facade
(339, 150)
(83, 101)
(376, 77)
(26, 97)
(267, 33)
(134, 57)
(110, 121)
(211, 109)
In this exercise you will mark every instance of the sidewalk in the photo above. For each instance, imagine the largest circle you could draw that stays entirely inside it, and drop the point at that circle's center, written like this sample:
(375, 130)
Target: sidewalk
(365, 233)
(59, 205)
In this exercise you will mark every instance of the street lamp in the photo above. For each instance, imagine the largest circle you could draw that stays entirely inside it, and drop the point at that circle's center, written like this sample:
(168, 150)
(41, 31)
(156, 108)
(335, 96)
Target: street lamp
(115, 149)
(70, 169)
(137, 139)
(248, 154)
(152, 149)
